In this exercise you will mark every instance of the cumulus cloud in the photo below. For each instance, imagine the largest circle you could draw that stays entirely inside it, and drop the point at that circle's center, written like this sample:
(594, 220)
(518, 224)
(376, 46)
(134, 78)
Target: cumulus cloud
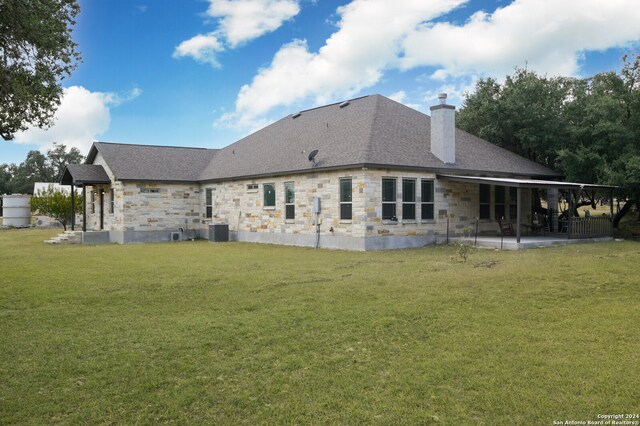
(548, 35)
(80, 119)
(374, 36)
(367, 42)
(202, 48)
(239, 21)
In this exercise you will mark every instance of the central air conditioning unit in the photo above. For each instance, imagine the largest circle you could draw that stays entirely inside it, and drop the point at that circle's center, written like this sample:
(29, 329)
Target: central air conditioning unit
(176, 236)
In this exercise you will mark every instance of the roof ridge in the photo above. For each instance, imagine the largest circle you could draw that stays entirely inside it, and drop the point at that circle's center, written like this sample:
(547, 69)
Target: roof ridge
(369, 146)
(332, 104)
(156, 146)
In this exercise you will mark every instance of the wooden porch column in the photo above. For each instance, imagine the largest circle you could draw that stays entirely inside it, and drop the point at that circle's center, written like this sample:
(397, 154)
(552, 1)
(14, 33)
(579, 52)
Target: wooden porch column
(519, 215)
(84, 208)
(73, 208)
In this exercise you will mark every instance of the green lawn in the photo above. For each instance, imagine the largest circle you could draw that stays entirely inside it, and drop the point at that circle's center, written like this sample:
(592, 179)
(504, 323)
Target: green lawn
(235, 333)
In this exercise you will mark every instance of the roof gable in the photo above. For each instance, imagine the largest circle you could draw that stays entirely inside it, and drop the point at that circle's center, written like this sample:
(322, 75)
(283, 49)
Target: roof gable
(152, 162)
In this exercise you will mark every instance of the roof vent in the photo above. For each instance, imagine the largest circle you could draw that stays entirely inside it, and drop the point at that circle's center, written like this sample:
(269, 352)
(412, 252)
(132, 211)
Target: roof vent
(296, 115)
(344, 104)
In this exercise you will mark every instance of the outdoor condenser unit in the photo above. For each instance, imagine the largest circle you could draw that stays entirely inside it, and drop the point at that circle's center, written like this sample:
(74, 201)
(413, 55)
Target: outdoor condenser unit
(219, 232)
(176, 236)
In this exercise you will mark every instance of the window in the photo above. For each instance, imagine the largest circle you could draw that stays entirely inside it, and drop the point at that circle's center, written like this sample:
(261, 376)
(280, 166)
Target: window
(389, 199)
(408, 199)
(345, 199)
(208, 195)
(427, 191)
(269, 195)
(112, 201)
(485, 201)
(513, 203)
(289, 201)
(499, 202)
(252, 187)
(93, 202)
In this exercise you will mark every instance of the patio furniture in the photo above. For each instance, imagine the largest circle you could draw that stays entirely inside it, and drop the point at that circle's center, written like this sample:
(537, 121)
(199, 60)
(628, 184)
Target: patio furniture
(506, 228)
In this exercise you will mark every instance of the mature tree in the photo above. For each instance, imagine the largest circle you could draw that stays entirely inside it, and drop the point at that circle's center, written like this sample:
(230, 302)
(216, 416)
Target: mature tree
(523, 115)
(55, 204)
(34, 169)
(588, 129)
(6, 175)
(59, 158)
(36, 53)
(37, 168)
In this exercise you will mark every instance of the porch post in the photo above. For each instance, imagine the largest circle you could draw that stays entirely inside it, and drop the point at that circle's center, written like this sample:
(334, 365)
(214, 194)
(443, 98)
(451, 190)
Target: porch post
(73, 208)
(84, 208)
(570, 215)
(519, 215)
(611, 210)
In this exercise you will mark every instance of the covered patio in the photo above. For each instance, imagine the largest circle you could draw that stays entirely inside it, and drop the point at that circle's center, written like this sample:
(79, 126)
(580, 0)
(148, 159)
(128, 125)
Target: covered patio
(81, 175)
(556, 230)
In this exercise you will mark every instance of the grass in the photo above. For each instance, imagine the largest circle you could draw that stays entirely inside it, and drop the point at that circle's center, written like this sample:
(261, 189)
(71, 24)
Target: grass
(235, 333)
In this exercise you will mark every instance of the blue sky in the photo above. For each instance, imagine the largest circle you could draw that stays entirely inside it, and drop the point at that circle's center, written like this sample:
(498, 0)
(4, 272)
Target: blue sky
(207, 72)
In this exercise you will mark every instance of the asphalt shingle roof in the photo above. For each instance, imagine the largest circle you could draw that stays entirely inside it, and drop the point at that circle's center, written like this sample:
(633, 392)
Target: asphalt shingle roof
(369, 131)
(79, 174)
(153, 163)
(372, 130)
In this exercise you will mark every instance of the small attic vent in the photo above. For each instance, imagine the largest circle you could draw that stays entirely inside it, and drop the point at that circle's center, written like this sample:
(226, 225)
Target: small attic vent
(344, 104)
(296, 115)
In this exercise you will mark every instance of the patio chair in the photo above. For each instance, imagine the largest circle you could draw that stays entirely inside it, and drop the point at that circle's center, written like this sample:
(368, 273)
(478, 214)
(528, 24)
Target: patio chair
(506, 228)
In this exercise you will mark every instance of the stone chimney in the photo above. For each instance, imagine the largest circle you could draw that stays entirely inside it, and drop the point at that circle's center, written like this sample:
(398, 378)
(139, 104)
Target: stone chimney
(443, 130)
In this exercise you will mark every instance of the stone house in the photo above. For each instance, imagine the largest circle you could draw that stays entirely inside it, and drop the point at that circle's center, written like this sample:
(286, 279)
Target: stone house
(364, 174)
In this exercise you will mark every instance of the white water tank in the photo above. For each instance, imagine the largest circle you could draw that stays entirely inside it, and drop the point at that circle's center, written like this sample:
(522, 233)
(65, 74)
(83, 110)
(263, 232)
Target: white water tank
(16, 210)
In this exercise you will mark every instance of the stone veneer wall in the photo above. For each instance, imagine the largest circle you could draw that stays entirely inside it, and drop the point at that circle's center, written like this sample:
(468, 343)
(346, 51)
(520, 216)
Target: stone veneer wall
(153, 206)
(248, 220)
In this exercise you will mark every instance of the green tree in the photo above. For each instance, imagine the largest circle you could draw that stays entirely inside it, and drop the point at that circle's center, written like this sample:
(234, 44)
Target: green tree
(523, 115)
(34, 169)
(59, 158)
(588, 129)
(55, 204)
(36, 52)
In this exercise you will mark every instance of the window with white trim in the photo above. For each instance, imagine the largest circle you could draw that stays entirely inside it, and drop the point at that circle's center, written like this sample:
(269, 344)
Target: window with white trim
(289, 200)
(485, 201)
(389, 199)
(499, 202)
(269, 196)
(427, 197)
(112, 201)
(346, 199)
(208, 195)
(408, 199)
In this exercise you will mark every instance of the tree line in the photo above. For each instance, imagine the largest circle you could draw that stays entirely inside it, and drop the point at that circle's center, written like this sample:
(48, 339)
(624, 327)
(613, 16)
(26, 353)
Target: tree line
(588, 129)
(37, 167)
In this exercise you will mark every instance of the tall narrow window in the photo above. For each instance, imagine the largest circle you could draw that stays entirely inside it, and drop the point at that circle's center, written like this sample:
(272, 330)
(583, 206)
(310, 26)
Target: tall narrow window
(513, 203)
(427, 191)
(269, 195)
(499, 202)
(485, 201)
(289, 201)
(345, 199)
(389, 199)
(208, 195)
(408, 199)
(93, 202)
(112, 201)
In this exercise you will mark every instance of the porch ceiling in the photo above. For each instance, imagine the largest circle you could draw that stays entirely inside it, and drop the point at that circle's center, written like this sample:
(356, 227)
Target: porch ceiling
(523, 183)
